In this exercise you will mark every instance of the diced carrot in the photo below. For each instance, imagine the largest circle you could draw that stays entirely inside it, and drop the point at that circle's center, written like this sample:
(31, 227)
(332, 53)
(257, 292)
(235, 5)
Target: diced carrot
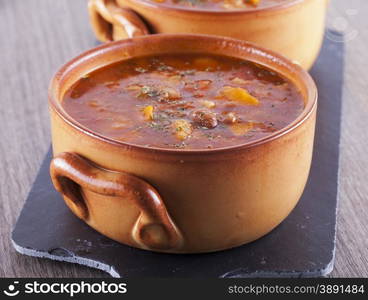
(253, 2)
(148, 112)
(241, 128)
(238, 94)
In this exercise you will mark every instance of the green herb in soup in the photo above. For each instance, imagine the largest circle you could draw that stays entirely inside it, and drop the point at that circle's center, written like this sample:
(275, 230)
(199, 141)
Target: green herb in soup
(221, 4)
(185, 101)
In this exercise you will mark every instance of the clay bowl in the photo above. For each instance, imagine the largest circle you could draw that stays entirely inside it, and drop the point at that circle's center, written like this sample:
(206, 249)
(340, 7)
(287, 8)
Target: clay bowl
(293, 28)
(173, 200)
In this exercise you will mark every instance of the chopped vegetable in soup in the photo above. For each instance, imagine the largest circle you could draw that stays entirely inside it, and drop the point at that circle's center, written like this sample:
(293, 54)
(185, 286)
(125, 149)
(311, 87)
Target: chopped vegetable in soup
(221, 4)
(188, 101)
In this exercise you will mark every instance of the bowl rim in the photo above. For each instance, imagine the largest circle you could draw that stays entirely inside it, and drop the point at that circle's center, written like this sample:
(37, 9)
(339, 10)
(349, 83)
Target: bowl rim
(170, 8)
(302, 76)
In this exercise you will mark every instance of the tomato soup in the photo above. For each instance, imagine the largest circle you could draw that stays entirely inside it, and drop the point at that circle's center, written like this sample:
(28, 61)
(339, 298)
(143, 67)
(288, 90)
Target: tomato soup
(220, 4)
(184, 101)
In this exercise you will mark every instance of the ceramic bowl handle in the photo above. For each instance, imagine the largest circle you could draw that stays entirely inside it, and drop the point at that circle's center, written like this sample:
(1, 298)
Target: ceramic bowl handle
(111, 22)
(153, 229)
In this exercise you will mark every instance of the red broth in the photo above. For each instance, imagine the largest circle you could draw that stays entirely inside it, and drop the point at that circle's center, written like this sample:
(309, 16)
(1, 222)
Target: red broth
(220, 4)
(184, 101)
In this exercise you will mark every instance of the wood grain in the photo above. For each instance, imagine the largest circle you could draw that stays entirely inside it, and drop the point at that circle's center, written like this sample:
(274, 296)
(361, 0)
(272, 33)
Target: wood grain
(39, 35)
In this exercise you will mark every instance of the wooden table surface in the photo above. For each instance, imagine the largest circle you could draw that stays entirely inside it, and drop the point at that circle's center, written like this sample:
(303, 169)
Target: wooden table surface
(37, 36)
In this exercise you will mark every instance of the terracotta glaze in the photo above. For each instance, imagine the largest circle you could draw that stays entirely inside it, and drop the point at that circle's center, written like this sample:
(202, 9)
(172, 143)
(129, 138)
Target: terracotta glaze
(180, 200)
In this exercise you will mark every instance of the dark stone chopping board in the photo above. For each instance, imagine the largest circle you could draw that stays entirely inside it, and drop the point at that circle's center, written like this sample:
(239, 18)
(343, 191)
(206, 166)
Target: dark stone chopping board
(302, 246)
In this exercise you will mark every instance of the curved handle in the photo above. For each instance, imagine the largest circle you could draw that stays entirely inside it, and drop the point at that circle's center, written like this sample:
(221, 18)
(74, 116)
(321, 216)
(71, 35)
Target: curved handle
(153, 229)
(110, 22)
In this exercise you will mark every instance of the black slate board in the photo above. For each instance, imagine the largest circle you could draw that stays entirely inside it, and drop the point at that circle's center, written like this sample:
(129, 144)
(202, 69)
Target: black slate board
(302, 246)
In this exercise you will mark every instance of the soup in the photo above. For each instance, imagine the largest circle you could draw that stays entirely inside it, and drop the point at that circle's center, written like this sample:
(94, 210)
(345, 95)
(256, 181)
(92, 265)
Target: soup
(184, 101)
(221, 4)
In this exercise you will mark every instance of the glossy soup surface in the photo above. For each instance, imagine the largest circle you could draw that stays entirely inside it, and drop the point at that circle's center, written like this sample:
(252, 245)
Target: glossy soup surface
(184, 101)
(220, 4)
